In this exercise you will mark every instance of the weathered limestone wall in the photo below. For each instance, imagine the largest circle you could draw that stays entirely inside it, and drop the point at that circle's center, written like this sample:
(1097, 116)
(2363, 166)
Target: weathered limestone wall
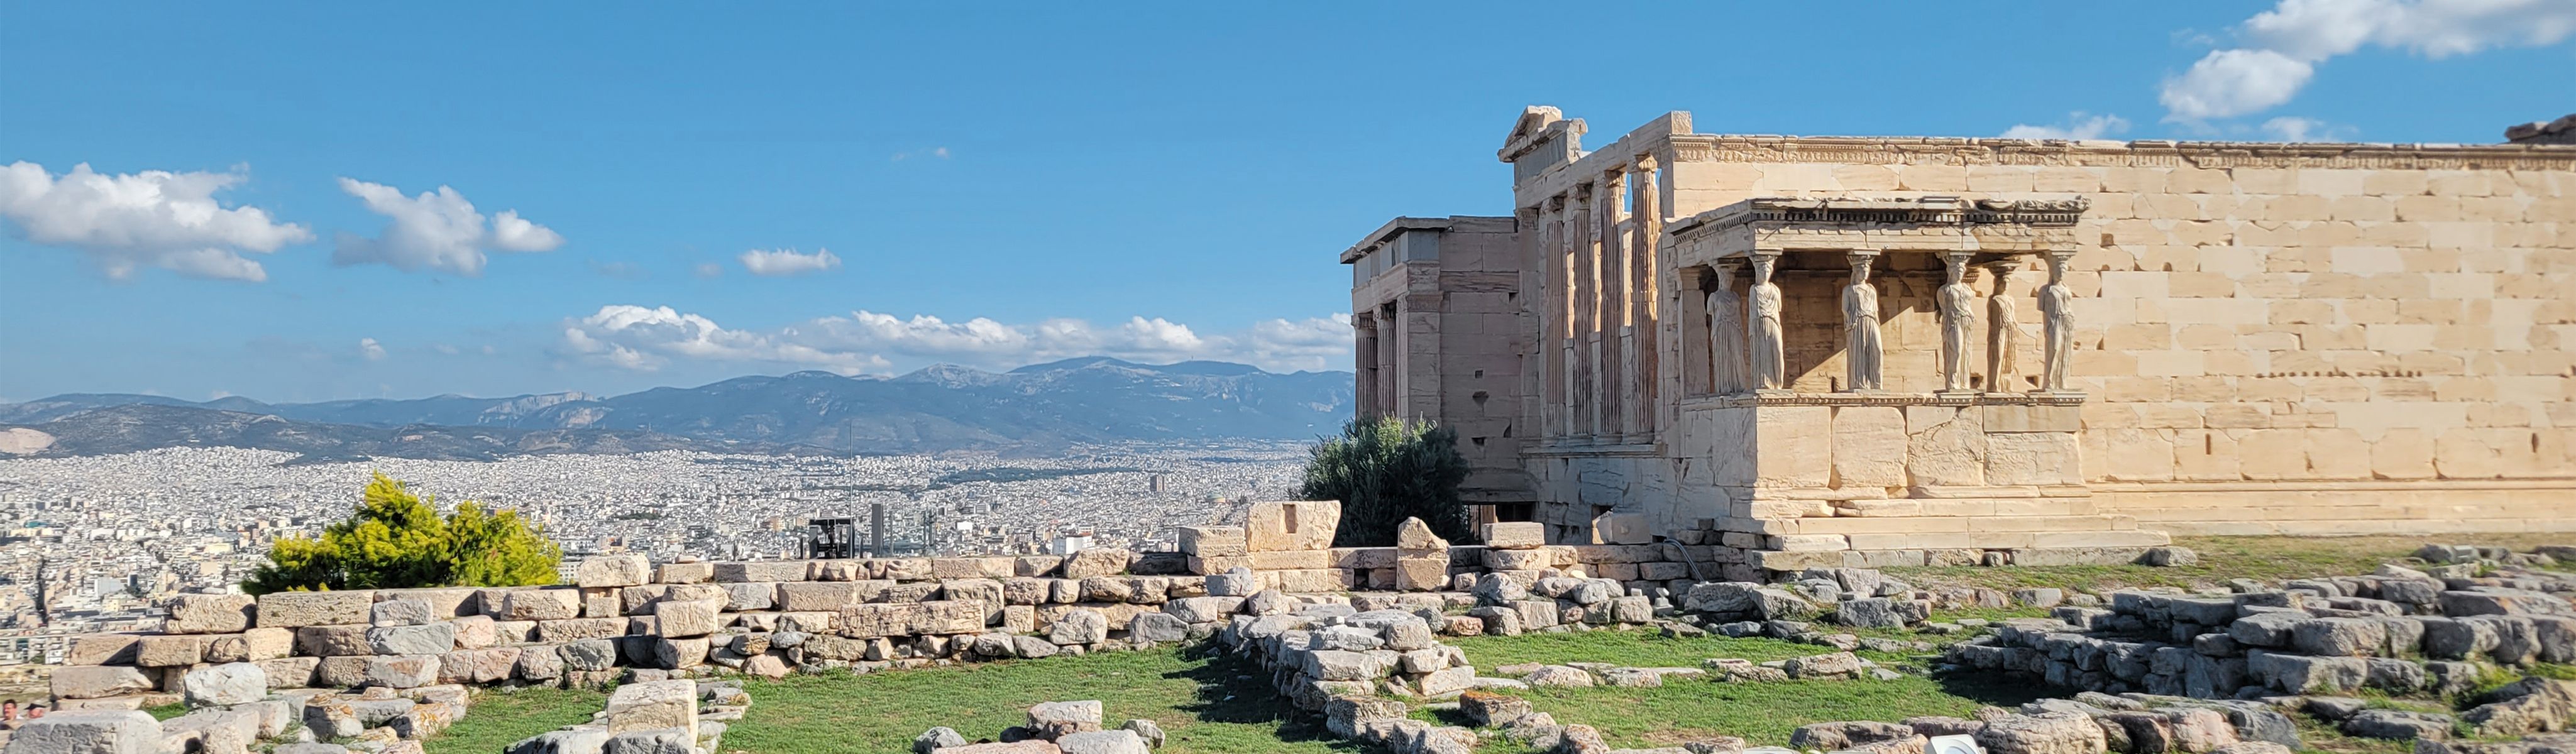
(2304, 339)
(1443, 338)
(2278, 347)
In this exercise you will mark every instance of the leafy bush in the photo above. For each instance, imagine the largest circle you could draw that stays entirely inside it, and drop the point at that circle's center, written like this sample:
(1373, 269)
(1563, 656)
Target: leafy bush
(394, 539)
(1386, 470)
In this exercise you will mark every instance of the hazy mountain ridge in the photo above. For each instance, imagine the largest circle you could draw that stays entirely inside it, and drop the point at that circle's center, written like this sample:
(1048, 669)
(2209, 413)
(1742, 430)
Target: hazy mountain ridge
(1088, 400)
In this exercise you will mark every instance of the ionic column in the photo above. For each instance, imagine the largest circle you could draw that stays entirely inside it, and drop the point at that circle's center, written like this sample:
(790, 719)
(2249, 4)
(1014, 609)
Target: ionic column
(1587, 313)
(1540, 224)
(1615, 283)
(1389, 333)
(1364, 358)
(1646, 228)
(1561, 230)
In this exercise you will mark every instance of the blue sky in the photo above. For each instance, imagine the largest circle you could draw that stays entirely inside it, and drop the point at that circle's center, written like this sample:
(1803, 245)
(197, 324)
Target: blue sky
(996, 185)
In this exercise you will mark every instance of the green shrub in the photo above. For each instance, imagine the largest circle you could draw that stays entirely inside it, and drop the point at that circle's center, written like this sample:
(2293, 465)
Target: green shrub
(1386, 470)
(394, 539)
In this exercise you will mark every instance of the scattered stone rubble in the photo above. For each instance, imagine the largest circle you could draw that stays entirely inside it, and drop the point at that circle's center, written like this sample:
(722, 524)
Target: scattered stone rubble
(2398, 630)
(232, 711)
(1053, 728)
(652, 717)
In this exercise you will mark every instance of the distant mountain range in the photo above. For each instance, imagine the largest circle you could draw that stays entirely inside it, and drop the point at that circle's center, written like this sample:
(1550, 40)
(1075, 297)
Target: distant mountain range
(1086, 400)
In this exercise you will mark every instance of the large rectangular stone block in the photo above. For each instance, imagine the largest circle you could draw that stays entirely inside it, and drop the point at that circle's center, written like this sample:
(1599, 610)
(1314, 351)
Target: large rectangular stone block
(99, 681)
(1292, 525)
(1516, 535)
(102, 649)
(688, 618)
(762, 570)
(1212, 541)
(298, 609)
(210, 613)
(553, 603)
(444, 602)
(879, 620)
(613, 571)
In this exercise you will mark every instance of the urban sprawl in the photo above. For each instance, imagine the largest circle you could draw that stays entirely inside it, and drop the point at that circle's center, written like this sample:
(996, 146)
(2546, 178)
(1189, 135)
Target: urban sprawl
(93, 544)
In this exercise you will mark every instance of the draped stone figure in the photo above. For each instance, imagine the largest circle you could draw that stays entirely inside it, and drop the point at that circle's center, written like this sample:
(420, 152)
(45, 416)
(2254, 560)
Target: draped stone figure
(1862, 355)
(2003, 333)
(1958, 313)
(2057, 317)
(1726, 335)
(1770, 367)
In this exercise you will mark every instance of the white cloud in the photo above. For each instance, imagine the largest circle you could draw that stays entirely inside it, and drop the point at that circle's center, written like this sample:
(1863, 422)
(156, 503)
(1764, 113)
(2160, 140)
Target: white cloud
(2292, 128)
(2285, 44)
(634, 337)
(155, 218)
(786, 262)
(709, 270)
(437, 230)
(368, 347)
(935, 152)
(2079, 126)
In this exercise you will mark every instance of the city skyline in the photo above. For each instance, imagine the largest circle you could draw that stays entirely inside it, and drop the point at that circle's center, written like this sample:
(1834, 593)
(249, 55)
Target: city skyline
(306, 204)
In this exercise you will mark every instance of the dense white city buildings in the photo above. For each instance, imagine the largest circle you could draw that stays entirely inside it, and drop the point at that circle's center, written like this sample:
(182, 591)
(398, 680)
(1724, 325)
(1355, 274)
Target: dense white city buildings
(91, 543)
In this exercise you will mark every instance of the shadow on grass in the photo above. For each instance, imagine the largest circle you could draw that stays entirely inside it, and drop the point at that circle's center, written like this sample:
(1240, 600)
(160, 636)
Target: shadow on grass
(1234, 689)
(1997, 688)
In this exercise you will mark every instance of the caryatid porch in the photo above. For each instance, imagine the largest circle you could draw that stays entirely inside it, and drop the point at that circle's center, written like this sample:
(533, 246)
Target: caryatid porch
(1861, 375)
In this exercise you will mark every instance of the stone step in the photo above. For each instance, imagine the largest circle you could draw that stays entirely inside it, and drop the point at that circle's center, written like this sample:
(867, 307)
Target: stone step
(1948, 524)
(2010, 506)
(2002, 540)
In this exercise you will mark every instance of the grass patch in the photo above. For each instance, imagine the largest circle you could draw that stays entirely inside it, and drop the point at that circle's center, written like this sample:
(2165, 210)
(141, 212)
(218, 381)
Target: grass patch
(1764, 713)
(2221, 558)
(166, 711)
(1641, 649)
(500, 717)
(1206, 705)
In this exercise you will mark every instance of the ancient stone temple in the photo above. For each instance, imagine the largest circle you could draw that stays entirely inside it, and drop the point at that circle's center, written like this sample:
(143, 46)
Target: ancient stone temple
(1901, 349)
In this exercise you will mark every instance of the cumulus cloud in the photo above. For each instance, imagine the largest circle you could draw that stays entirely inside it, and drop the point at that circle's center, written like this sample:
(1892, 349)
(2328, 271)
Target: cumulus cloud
(369, 348)
(638, 338)
(2284, 45)
(2292, 128)
(155, 218)
(635, 337)
(437, 230)
(786, 262)
(2079, 126)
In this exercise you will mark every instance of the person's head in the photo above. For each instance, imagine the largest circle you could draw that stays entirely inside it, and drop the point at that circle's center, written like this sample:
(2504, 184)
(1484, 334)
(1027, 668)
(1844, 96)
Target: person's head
(9, 710)
(35, 711)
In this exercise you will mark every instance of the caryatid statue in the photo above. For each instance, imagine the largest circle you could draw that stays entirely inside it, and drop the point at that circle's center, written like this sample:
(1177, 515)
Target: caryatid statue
(2003, 332)
(1862, 357)
(2057, 317)
(1958, 313)
(1762, 329)
(1726, 334)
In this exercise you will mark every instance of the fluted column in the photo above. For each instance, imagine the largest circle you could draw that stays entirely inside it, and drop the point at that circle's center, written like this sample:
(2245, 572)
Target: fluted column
(1645, 230)
(1613, 383)
(1587, 313)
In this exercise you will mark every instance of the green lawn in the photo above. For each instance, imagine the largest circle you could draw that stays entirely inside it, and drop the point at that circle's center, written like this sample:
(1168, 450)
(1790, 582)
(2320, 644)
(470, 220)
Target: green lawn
(499, 717)
(2222, 558)
(1205, 705)
(1761, 713)
(1632, 648)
